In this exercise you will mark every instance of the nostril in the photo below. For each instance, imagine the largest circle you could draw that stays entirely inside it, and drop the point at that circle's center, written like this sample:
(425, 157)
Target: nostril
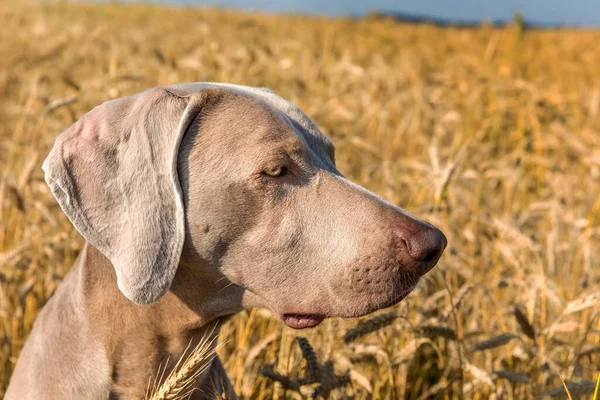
(430, 256)
(425, 246)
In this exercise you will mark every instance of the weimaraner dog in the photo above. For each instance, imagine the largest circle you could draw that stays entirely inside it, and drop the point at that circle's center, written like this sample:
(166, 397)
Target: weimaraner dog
(197, 201)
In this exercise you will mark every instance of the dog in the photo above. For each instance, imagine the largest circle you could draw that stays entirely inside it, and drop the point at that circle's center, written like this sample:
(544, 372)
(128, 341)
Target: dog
(198, 201)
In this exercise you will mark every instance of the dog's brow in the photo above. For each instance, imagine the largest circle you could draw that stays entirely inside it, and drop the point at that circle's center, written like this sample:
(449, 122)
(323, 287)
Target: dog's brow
(293, 145)
(285, 142)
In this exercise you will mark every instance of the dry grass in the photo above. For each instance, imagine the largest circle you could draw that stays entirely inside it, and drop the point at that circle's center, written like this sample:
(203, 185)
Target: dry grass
(179, 383)
(492, 134)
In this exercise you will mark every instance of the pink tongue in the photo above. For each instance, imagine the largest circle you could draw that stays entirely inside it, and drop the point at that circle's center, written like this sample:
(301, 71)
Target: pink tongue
(301, 321)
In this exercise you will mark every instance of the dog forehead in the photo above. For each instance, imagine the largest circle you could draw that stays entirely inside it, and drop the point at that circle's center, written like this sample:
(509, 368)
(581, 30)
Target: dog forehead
(236, 120)
(294, 118)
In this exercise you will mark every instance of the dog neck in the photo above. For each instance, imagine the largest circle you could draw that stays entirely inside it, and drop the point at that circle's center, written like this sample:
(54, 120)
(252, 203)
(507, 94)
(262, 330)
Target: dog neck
(141, 339)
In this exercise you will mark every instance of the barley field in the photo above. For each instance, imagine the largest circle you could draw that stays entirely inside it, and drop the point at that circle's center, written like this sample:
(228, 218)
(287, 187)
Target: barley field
(492, 134)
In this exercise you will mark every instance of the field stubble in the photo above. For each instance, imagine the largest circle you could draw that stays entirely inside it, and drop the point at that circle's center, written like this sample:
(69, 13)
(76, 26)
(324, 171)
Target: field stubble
(493, 134)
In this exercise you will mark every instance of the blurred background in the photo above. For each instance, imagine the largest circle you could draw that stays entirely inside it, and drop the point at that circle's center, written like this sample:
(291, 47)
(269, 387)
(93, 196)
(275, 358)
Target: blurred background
(481, 117)
(538, 12)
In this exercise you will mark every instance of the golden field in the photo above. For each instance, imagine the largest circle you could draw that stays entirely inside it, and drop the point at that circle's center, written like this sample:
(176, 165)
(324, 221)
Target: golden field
(492, 134)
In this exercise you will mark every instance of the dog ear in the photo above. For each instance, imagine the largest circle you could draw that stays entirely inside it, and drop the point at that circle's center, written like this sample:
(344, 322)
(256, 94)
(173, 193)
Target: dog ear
(114, 173)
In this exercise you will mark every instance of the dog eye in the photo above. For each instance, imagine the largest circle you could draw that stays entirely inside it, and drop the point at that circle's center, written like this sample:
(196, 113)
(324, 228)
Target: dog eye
(276, 172)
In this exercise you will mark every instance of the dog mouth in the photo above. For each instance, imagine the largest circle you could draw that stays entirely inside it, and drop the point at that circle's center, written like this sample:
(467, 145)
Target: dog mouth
(302, 321)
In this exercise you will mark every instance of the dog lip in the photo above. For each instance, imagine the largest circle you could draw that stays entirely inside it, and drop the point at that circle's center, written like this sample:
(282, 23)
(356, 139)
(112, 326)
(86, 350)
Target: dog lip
(302, 321)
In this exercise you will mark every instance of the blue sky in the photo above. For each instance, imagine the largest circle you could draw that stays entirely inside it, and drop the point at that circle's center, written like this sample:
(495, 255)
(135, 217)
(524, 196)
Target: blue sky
(569, 12)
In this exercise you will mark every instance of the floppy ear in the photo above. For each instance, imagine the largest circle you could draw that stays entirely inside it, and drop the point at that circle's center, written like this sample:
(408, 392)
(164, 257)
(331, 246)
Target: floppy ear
(114, 173)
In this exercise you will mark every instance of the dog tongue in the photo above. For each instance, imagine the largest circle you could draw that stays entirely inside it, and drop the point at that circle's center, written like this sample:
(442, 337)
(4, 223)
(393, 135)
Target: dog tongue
(301, 321)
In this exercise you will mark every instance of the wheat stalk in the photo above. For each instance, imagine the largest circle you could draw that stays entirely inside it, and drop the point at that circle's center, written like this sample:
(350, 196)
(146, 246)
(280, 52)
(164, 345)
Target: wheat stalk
(180, 382)
(529, 186)
(577, 389)
(370, 325)
(524, 323)
(259, 347)
(335, 382)
(309, 355)
(494, 341)
(433, 331)
(329, 382)
(285, 381)
(512, 376)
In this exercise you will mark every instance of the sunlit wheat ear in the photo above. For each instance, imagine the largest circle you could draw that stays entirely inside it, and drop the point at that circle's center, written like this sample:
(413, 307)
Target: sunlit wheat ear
(309, 355)
(259, 347)
(370, 325)
(478, 375)
(589, 351)
(180, 383)
(494, 341)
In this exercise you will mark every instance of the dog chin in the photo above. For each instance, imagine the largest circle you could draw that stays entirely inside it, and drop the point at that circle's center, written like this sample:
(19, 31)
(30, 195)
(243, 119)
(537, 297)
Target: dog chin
(376, 306)
(304, 320)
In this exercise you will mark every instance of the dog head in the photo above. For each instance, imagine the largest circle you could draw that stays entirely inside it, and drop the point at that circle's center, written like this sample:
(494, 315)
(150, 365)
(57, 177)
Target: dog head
(240, 182)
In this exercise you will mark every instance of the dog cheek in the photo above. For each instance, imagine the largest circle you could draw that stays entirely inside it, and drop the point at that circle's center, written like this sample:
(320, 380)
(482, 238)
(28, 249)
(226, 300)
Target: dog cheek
(242, 208)
(238, 213)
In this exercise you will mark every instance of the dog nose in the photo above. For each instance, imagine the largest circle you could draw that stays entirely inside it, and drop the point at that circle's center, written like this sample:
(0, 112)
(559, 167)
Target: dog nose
(425, 246)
